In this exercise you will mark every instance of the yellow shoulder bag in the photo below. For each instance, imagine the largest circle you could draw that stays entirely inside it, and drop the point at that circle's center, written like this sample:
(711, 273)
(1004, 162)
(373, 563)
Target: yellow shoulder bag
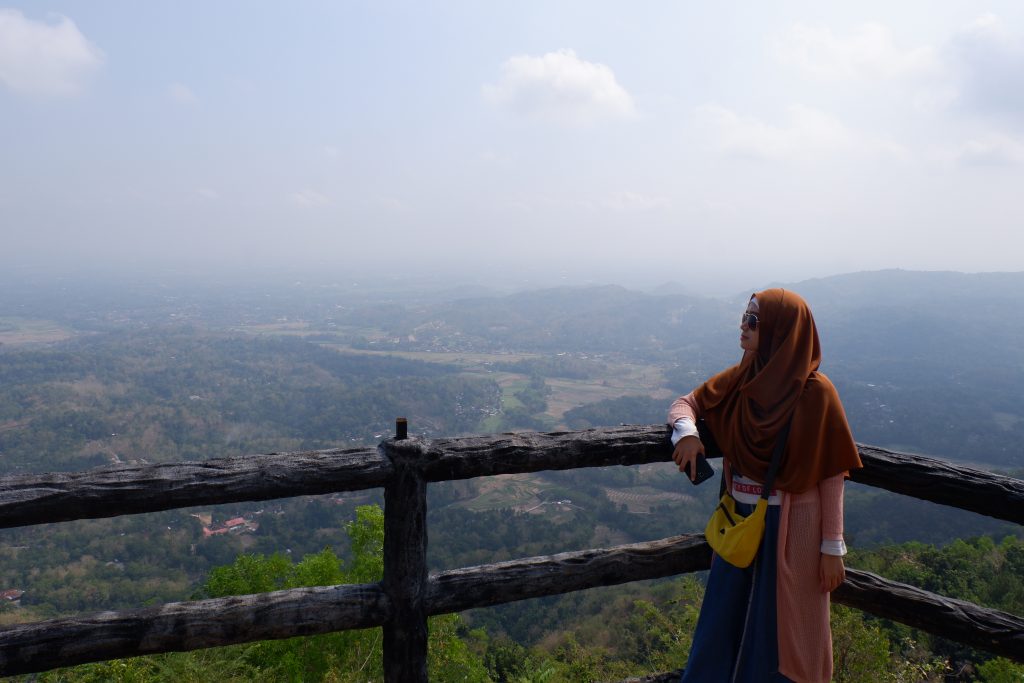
(734, 537)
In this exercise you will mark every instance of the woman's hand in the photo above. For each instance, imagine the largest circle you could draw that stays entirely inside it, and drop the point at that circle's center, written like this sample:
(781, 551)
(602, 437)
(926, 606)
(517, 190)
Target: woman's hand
(832, 572)
(686, 452)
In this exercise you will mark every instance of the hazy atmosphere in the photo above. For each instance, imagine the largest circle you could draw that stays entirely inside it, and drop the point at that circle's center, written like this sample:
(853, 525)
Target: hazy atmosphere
(715, 146)
(240, 239)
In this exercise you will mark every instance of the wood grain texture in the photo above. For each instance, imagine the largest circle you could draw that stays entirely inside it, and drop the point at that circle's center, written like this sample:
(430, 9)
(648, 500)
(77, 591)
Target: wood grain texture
(126, 489)
(174, 627)
(111, 491)
(941, 481)
(402, 601)
(512, 453)
(208, 623)
(405, 563)
(493, 584)
(992, 630)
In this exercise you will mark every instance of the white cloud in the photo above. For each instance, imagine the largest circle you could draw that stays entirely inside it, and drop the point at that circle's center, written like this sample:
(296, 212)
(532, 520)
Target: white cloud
(807, 134)
(979, 67)
(307, 198)
(993, 149)
(559, 86)
(869, 53)
(990, 62)
(182, 94)
(45, 58)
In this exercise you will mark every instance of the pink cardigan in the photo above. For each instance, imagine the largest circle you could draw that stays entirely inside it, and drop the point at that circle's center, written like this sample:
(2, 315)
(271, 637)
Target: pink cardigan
(805, 636)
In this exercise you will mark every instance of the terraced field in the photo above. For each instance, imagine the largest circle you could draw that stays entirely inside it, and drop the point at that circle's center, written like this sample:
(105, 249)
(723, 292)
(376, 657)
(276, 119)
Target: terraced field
(640, 499)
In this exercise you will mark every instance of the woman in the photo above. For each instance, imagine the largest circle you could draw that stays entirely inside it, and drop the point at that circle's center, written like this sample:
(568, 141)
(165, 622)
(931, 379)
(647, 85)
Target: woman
(770, 621)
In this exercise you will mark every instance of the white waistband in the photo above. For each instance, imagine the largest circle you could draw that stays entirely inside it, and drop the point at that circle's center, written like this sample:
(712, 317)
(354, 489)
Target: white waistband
(748, 491)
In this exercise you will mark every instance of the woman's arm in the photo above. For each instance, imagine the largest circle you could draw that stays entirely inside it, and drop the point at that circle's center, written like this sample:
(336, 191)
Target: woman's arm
(683, 418)
(684, 408)
(830, 493)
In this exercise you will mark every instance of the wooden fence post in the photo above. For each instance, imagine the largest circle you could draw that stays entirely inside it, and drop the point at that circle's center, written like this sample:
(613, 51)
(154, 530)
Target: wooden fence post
(405, 561)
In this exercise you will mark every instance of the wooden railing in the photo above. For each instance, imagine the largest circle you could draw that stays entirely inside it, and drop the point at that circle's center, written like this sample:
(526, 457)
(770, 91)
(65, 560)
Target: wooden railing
(407, 595)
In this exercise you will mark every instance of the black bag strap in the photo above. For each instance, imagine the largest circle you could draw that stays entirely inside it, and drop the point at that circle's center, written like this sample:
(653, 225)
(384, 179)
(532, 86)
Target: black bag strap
(773, 468)
(780, 445)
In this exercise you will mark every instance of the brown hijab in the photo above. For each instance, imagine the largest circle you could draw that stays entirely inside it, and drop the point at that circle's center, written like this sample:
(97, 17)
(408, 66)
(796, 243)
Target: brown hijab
(748, 404)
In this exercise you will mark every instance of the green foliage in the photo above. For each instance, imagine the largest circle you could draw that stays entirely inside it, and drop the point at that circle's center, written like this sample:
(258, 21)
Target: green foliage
(347, 656)
(249, 574)
(606, 634)
(1001, 670)
(526, 407)
(450, 658)
(366, 534)
(563, 365)
(616, 411)
(876, 518)
(178, 394)
(862, 652)
(979, 570)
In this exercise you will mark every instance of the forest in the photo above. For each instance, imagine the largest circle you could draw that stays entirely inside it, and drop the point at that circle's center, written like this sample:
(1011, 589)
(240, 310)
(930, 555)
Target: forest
(136, 377)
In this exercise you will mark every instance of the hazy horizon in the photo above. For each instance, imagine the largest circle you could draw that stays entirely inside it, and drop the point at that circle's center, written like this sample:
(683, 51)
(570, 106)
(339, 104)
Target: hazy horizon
(444, 284)
(716, 147)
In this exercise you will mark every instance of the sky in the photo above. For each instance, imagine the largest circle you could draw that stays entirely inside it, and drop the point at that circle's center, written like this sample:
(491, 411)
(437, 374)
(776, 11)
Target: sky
(700, 143)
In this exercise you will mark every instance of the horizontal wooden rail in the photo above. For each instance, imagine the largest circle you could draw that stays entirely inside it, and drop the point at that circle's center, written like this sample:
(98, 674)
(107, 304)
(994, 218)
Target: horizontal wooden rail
(181, 626)
(27, 648)
(174, 627)
(494, 584)
(110, 491)
(941, 481)
(992, 630)
(27, 499)
(480, 456)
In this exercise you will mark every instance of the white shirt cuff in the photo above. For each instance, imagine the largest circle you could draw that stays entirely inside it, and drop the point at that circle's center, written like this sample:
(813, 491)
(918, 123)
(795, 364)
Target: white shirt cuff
(833, 547)
(684, 426)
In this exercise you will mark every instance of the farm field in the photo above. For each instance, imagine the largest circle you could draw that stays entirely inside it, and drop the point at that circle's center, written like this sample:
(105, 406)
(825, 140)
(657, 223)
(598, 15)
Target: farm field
(640, 499)
(515, 491)
(17, 331)
(622, 379)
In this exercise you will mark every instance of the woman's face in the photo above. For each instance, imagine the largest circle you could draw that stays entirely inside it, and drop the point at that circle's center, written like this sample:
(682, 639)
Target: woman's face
(749, 337)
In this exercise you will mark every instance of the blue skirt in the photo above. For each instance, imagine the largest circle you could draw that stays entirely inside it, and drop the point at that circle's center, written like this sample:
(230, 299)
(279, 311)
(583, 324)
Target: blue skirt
(736, 638)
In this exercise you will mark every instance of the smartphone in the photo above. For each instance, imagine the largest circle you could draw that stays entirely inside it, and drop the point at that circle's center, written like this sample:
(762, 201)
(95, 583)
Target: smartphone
(704, 471)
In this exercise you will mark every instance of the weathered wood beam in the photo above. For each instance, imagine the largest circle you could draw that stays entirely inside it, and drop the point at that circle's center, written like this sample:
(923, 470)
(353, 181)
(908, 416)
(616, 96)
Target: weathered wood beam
(405, 564)
(479, 456)
(175, 627)
(494, 584)
(992, 630)
(125, 489)
(111, 491)
(923, 477)
(27, 648)
(941, 481)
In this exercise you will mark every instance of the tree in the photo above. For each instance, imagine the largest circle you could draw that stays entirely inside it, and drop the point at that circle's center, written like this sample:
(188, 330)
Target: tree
(336, 657)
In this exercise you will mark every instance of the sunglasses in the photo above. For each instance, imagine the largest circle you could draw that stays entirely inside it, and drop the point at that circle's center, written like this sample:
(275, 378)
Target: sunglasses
(750, 319)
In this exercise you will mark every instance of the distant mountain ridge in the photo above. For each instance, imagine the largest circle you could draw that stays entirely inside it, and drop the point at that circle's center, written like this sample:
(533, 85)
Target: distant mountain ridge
(925, 361)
